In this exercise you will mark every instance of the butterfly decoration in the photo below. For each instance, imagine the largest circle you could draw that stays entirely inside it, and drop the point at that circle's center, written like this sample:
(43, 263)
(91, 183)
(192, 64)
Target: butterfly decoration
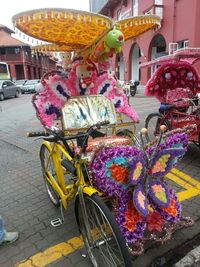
(81, 79)
(136, 178)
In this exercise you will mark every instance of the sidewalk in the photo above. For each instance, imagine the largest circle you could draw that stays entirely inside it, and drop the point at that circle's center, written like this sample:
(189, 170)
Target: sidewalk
(192, 259)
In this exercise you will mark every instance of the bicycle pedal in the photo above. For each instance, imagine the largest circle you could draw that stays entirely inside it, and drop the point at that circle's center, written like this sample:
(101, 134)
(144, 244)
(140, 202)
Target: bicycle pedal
(56, 222)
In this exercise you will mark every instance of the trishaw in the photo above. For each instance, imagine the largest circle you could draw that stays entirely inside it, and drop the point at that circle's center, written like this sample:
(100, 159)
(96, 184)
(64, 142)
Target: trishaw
(121, 197)
(176, 84)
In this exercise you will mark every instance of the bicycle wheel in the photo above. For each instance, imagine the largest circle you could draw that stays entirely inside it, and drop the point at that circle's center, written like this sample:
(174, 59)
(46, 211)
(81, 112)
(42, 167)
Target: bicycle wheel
(131, 135)
(103, 240)
(153, 123)
(133, 90)
(48, 166)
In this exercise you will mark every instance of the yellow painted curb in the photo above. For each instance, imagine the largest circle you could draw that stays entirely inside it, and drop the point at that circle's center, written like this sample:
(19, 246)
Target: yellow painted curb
(191, 185)
(53, 253)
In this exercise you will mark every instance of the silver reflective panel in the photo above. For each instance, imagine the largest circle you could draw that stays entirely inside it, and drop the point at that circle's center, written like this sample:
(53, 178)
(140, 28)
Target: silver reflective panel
(85, 111)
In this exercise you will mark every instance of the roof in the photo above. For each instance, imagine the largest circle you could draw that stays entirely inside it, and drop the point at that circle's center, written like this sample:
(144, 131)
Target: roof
(6, 29)
(7, 40)
(109, 5)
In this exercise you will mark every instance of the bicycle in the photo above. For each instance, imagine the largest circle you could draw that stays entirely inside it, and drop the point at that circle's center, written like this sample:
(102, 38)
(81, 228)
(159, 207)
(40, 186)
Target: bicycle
(64, 160)
(176, 117)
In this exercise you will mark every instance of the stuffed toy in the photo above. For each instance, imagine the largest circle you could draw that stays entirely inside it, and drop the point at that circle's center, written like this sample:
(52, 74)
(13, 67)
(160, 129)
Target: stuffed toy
(84, 74)
(110, 45)
(66, 60)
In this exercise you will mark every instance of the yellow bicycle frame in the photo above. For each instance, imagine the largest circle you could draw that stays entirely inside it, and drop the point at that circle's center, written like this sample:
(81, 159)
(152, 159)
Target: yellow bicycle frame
(65, 192)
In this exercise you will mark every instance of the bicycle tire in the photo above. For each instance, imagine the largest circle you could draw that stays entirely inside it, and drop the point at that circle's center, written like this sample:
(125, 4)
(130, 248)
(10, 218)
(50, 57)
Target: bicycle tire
(106, 246)
(133, 91)
(53, 195)
(131, 135)
(153, 123)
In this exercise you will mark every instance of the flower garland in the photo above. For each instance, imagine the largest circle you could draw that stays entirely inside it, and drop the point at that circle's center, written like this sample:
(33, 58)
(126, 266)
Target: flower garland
(144, 202)
(131, 223)
(172, 213)
(107, 166)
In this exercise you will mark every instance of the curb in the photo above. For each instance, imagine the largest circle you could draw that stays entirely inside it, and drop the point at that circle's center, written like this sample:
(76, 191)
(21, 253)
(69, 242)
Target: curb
(192, 259)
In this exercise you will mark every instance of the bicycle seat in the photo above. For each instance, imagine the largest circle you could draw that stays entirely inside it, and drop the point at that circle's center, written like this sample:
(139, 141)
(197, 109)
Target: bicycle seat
(164, 107)
(94, 144)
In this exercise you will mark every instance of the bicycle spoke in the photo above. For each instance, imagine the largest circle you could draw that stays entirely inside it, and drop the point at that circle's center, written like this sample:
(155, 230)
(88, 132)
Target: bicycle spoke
(49, 173)
(102, 239)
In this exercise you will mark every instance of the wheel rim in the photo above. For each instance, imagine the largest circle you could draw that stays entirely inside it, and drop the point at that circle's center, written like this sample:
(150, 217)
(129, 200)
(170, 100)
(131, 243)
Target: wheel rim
(1, 97)
(52, 194)
(153, 127)
(48, 166)
(102, 245)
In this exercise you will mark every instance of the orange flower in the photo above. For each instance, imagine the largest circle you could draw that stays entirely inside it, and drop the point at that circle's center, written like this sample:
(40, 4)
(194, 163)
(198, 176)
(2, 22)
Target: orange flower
(172, 208)
(119, 173)
(132, 217)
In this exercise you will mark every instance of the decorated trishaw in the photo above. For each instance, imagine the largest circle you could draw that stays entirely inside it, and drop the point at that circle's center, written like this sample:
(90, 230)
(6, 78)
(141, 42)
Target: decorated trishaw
(176, 84)
(122, 199)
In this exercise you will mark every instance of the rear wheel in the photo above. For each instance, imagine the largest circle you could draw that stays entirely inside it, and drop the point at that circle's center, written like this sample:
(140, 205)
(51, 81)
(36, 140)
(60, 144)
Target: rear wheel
(131, 135)
(48, 167)
(1, 96)
(153, 123)
(103, 240)
(17, 94)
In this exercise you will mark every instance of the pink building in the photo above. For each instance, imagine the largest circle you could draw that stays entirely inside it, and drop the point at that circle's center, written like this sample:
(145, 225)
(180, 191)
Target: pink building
(22, 62)
(180, 28)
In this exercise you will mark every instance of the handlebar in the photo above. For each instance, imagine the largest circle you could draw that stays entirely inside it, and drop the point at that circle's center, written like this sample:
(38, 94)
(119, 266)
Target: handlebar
(187, 99)
(36, 134)
(54, 136)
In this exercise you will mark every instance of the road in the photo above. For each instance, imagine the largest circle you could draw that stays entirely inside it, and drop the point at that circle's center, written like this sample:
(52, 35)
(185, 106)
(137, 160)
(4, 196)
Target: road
(26, 208)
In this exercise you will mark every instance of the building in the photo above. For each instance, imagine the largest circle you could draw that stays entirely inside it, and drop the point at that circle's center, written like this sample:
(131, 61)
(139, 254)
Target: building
(179, 28)
(22, 62)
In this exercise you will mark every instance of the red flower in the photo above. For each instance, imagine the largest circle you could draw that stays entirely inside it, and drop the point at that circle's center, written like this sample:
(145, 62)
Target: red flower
(155, 222)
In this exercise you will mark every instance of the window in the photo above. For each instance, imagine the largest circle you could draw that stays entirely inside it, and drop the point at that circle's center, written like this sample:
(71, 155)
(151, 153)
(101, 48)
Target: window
(10, 50)
(119, 14)
(9, 83)
(135, 8)
(158, 2)
(3, 68)
(2, 51)
(4, 84)
(183, 44)
(172, 48)
(17, 50)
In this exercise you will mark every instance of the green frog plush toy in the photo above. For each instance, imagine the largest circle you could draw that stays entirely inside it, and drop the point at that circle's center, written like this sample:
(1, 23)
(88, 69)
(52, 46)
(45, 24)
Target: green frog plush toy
(110, 45)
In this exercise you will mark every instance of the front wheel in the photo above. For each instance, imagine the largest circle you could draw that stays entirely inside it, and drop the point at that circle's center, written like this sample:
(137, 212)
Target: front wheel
(48, 168)
(17, 94)
(103, 240)
(153, 123)
(1, 96)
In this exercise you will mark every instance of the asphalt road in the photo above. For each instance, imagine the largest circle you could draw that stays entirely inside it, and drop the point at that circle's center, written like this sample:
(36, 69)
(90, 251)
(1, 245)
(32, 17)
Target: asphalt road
(26, 208)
